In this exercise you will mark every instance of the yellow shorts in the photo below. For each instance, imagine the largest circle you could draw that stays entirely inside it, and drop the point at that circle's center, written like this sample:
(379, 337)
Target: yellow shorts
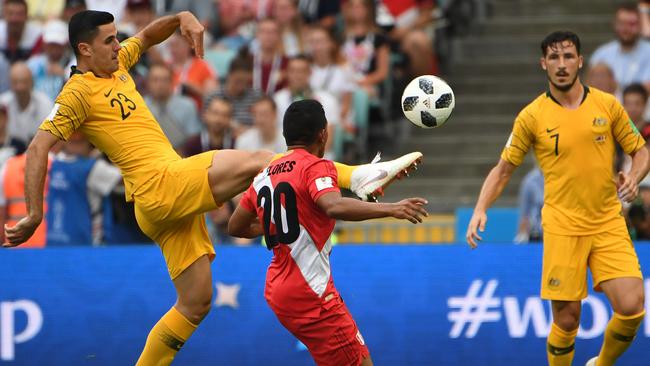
(566, 258)
(170, 208)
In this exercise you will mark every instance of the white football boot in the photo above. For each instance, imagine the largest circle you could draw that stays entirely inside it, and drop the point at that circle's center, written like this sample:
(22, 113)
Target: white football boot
(369, 180)
(592, 362)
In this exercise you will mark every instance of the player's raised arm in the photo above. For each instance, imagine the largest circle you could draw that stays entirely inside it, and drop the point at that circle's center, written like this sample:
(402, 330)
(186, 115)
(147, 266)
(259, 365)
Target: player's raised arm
(162, 28)
(35, 171)
(492, 187)
(348, 209)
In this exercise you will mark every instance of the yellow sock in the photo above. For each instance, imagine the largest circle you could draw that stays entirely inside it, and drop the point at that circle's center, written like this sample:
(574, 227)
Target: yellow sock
(618, 336)
(560, 346)
(344, 173)
(166, 339)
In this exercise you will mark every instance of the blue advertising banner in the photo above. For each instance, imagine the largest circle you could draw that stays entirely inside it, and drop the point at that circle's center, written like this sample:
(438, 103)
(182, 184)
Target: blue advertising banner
(415, 305)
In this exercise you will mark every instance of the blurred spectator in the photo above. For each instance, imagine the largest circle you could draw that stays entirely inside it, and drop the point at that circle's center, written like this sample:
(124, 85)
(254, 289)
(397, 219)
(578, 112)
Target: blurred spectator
(365, 49)
(176, 114)
(4, 73)
(26, 107)
(51, 68)
(193, 76)
(368, 53)
(269, 63)
(418, 48)
(635, 101)
(644, 9)
(115, 7)
(237, 90)
(12, 199)
(43, 10)
(601, 76)
(8, 148)
(218, 133)
(321, 12)
(205, 10)
(286, 13)
(19, 38)
(531, 200)
(265, 134)
(71, 8)
(79, 185)
(629, 55)
(399, 17)
(329, 71)
(137, 15)
(298, 88)
(232, 16)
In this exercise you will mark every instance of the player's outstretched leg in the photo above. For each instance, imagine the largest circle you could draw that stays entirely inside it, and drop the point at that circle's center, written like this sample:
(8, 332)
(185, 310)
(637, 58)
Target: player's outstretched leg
(627, 298)
(232, 171)
(368, 181)
(560, 346)
(194, 290)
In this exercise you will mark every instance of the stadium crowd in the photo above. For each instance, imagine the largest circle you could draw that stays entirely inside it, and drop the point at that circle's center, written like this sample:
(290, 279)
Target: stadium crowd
(261, 55)
(351, 55)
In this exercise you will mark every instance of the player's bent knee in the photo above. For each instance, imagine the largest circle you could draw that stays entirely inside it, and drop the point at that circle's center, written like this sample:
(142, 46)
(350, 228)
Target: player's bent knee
(568, 318)
(567, 324)
(631, 305)
(197, 310)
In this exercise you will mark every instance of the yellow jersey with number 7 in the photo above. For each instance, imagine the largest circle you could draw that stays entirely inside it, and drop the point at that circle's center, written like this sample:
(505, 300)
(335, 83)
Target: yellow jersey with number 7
(114, 117)
(575, 150)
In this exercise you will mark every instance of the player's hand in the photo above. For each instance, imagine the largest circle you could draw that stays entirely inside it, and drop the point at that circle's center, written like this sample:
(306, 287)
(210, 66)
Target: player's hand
(476, 224)
(411, 209)
(19, 233)
(627, 187)
(192, 30)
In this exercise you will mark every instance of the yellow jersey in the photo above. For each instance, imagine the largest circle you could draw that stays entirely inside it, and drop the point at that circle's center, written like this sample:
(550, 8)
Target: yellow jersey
(114, 117)
(575, 150)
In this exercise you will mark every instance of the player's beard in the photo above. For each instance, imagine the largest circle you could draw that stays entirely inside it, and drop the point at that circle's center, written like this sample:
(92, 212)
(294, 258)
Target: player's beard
(565, 87)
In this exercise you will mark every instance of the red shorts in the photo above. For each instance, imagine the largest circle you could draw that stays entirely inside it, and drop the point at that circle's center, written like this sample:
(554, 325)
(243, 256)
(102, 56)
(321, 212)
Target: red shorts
(333, 339)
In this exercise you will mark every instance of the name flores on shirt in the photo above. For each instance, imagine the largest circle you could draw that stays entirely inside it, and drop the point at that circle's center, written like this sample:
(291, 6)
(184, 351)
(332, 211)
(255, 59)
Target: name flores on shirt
(284, 167)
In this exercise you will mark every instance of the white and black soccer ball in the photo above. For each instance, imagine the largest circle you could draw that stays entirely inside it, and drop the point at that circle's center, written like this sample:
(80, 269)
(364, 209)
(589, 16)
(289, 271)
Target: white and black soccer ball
(428, 101)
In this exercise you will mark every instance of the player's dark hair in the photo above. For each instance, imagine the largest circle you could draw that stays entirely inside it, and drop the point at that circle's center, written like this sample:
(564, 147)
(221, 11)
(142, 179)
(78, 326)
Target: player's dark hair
(636, 88)
(267, 99)
(302, 122)
(559, 37)
(84, 26)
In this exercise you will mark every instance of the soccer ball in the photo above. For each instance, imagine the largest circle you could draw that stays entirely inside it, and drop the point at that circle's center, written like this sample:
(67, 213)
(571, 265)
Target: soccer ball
(428, 101)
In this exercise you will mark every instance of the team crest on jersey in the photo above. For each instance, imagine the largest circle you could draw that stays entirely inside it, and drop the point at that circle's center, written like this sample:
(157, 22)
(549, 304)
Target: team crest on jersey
(123, 77)
(599, 121)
